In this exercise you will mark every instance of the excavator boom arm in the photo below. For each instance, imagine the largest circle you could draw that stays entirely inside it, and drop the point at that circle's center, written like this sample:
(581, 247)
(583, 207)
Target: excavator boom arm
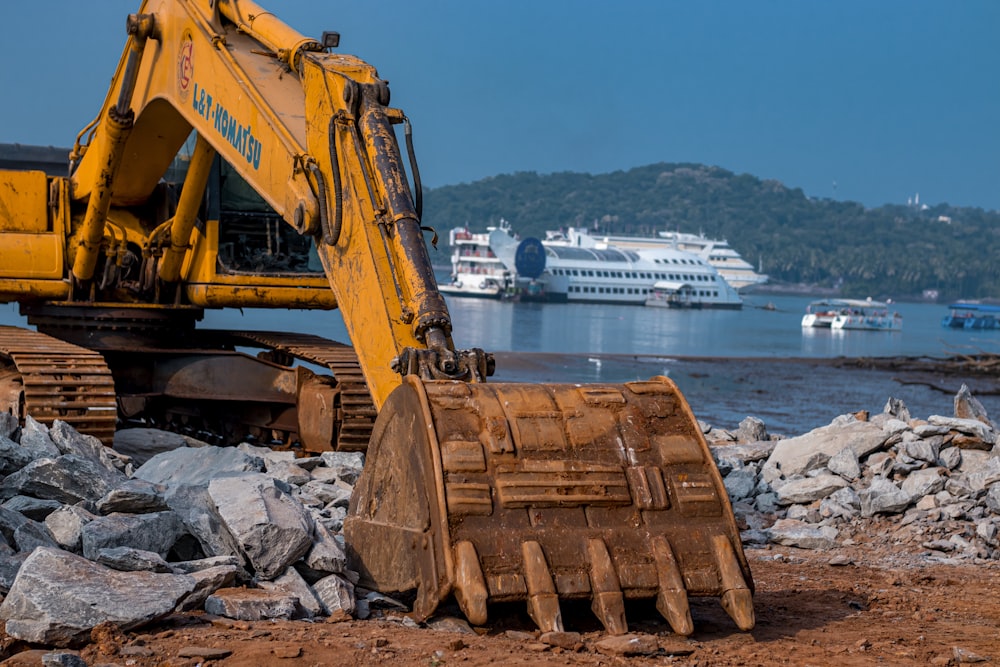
(309, 131)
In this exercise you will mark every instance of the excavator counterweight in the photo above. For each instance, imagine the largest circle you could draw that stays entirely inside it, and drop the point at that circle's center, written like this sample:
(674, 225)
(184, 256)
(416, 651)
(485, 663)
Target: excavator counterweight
(236, 163)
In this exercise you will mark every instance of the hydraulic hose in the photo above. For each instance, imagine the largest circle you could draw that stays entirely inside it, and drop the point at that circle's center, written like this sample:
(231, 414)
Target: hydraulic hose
(418, 188)
(332, 234)
(331, 230)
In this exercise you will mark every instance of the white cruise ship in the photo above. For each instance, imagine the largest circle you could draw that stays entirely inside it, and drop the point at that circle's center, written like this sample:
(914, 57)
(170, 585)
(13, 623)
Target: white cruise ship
(475, 270)
(575, 267)
(737, 271)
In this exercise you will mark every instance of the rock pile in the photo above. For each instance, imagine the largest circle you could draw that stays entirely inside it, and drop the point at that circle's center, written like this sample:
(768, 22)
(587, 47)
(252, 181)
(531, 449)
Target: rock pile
(162, 523)
(936, 479)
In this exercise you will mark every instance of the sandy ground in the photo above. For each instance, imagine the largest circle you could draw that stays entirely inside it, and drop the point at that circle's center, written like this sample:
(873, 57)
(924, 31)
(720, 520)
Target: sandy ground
(860, 605)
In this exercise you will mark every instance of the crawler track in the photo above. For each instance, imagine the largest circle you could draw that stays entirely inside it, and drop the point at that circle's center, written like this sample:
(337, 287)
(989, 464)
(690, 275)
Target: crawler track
(51, 379)
(357, 411)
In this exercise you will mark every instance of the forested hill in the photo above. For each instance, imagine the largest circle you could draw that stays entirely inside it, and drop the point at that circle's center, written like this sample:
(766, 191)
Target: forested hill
(890, 251)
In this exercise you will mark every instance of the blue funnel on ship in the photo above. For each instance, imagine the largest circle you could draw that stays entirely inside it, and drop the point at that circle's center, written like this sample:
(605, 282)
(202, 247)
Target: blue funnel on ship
(529, 260)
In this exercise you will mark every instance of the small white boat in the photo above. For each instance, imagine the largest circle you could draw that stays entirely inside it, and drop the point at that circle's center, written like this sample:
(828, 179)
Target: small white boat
(672, 294)
(851, 314)
(475, 270)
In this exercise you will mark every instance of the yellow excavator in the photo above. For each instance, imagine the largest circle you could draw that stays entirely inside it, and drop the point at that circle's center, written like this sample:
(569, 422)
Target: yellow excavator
(236, 163)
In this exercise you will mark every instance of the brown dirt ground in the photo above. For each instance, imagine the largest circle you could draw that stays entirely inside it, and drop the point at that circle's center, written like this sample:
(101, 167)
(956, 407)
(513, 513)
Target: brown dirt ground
(883, 607)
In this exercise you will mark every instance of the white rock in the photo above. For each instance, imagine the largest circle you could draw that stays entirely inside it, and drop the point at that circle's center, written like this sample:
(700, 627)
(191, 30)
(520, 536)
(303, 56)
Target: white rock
(808, 489)
(882, 497)
(272, 528)
(791, 533)
(845, 464)
(972, 427)
(58, 598)
(812, 450)
(924, 482)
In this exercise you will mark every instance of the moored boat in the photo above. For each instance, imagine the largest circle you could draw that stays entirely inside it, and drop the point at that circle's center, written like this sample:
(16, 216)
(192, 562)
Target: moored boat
(574, 267)
(672, 294)
(965, 315)
(851, 314)
(738, 272)
(475, 270)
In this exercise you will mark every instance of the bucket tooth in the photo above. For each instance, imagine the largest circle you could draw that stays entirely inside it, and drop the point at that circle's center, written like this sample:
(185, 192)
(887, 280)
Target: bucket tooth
(470, 585)
(737, 599)
(672, 599)
(543, 603)
(609, 603)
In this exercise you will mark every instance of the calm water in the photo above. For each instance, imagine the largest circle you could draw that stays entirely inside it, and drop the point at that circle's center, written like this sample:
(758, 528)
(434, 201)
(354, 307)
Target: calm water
(751, 332)
(602, 343)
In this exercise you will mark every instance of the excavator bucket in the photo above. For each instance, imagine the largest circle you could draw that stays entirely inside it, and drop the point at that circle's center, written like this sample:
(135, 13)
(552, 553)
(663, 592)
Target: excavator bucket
(498, 492)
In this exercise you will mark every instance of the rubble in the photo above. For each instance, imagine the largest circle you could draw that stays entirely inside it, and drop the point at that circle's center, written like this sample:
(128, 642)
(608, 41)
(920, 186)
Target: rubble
(250, 533)
(89, 537)
(818, 490)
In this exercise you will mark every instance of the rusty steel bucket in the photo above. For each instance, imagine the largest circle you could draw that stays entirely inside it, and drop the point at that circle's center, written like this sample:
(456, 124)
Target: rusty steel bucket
(498, 492)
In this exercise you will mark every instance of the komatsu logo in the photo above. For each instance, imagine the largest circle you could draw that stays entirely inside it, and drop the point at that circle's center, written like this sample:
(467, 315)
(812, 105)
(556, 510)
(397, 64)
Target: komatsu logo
(238, 135)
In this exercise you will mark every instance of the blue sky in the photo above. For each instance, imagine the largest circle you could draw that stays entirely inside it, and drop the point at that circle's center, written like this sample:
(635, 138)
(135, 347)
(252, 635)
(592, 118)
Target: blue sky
(856, 100)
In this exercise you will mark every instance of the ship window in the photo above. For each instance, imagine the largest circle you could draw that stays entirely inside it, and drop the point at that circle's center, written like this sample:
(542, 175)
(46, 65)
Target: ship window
(575, 272)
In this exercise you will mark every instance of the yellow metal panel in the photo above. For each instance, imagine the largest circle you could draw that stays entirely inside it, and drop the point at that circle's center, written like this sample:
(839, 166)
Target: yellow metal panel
(22, 290)
(24, 201)
(31, 256)
(260, 296)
